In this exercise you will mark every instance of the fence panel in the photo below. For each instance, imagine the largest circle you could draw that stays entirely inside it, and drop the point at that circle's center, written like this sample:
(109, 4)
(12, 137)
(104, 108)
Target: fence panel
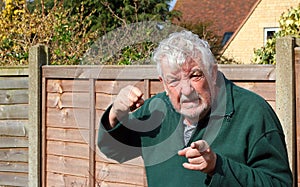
(13, 126)
(76, 97)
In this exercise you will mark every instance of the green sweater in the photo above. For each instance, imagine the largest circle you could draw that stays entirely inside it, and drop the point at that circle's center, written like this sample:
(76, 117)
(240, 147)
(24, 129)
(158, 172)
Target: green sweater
(250, 145)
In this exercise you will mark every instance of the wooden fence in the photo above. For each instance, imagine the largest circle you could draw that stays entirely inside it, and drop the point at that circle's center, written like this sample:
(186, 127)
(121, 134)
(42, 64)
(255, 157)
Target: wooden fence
(13, 126)
(66, 103)
(75, 99)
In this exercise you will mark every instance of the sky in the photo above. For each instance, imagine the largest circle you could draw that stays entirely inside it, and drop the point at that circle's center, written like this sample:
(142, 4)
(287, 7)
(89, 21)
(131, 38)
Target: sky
(172, 4)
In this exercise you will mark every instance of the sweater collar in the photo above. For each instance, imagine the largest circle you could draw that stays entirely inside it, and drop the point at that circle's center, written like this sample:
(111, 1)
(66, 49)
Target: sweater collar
(223, 105)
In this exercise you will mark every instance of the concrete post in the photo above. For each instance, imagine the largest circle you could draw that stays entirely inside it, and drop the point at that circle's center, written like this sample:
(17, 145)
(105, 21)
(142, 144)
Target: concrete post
(285, 96)
(38, 56)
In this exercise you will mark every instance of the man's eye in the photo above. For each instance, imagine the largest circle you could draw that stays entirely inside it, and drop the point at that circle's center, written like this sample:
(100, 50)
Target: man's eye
(197, 75)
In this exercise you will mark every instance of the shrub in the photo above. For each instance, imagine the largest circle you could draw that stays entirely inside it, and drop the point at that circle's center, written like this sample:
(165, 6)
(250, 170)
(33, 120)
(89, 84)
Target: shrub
(69, 28)
(289, 26)
(66, 35)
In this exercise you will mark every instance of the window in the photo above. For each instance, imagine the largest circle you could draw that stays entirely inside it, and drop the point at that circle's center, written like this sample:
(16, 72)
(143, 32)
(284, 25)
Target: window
(269, 33)
(226, 37)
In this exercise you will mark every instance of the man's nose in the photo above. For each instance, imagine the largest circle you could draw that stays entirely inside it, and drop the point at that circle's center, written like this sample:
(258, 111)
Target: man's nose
(186, 87)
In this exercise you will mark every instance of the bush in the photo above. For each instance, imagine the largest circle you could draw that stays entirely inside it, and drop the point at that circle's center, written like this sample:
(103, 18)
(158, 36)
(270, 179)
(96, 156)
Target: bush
(66, 35)
(289, 26)
(69, 28)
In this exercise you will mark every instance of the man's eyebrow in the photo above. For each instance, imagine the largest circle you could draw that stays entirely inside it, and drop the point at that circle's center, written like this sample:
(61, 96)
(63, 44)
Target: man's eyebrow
(196, 70)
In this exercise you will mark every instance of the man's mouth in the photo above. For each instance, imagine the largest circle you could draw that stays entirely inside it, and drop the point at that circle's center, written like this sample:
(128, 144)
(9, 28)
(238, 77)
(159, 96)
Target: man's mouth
(190, 103)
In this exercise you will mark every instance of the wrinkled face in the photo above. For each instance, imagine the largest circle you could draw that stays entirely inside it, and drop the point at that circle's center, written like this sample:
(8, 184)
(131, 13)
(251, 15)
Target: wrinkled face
(188, 89)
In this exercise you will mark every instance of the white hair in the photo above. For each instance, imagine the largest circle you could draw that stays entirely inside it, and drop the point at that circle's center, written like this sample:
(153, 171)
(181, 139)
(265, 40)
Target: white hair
(182, 45)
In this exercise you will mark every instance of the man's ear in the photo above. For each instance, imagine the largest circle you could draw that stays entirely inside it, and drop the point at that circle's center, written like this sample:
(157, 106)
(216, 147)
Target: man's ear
(160, 79)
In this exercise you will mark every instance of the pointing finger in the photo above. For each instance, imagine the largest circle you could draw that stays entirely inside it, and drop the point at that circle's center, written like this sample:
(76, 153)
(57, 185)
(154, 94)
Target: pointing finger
(200, 145)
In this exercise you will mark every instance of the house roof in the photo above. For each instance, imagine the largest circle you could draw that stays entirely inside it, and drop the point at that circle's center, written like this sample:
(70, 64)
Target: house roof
(240, 26)
(225, 16)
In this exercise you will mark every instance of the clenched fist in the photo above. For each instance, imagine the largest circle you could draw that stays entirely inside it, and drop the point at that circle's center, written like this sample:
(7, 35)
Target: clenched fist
(128, 99)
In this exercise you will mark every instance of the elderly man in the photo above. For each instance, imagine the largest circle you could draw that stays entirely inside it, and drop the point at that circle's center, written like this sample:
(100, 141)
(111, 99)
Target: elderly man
(202, 131)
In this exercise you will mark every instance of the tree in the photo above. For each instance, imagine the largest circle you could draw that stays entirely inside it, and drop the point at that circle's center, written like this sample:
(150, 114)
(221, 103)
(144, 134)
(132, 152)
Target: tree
(67, 36)
(204, 31)
(69, 27)
(289, 25)
(120, 14)
(107, 15)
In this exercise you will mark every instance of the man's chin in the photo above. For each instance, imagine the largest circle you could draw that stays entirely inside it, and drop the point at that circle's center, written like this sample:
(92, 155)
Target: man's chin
(195, 113)
(190, 113)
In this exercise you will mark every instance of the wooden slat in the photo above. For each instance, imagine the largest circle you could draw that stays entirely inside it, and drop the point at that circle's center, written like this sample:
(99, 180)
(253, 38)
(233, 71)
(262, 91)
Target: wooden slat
(43, 135)
(101, 72)
(297, 56)
(14, 154)
(65, 165)
(13, 127)
(66, 85)
(120, 173)
(13, 167)
(14, 111)
(233, 72)
(113, 87)
(99, 114)
(248, 72)
(100, 157)
(297, 96)
(68, 135)
(103, 100)
(6, 142)
(61, 180)
(155, 87)
(13, 96)
(68, 118)
(116, 184)
(68, 99)
(13, 179)
(68, 149)
(13, 82)
(92, 134)
(265, 89)
(14, 71)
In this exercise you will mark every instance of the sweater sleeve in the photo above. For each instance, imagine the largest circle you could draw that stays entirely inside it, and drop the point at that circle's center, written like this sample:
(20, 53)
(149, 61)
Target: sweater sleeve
(267, 165)
(119, 143)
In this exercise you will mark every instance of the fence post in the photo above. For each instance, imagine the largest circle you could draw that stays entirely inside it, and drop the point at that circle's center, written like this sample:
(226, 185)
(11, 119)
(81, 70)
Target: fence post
(285, 95)
(38, 56)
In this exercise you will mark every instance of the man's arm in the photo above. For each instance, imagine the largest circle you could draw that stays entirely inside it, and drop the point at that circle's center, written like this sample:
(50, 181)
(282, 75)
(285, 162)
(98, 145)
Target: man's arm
(115, 140)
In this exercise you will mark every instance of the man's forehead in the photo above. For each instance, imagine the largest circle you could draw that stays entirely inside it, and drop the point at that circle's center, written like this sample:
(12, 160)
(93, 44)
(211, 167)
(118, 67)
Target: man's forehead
(189, 65)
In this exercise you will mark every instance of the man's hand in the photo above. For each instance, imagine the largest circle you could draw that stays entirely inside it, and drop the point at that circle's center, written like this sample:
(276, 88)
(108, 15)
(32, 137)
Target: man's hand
(128, 99)
(200, 157)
